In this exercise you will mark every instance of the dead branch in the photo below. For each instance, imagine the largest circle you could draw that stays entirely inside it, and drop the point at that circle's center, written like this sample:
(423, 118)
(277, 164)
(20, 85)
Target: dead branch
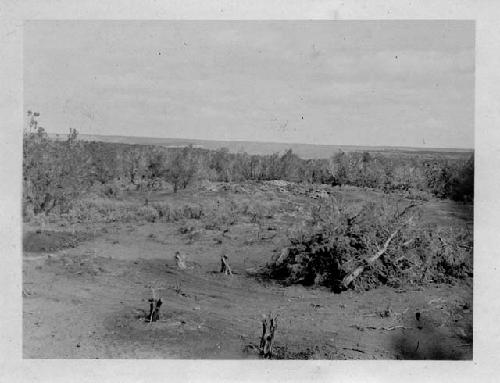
(386, 328)
(354, 349)
(406, 210)
(224, 265)
(408, 243)
(271, 236)
(349, 278)
(446, 244)
(283, 255)
(269, 325)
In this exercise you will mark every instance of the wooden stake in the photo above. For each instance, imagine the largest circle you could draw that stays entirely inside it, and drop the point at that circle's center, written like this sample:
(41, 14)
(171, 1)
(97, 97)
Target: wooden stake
(224, 265)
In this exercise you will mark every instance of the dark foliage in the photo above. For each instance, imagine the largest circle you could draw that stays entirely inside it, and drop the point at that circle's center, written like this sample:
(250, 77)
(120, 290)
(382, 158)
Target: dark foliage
(334, 248)
(56, 172)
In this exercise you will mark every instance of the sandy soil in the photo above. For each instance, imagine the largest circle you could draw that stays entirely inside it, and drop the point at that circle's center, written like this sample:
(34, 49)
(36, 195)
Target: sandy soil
(88, 299)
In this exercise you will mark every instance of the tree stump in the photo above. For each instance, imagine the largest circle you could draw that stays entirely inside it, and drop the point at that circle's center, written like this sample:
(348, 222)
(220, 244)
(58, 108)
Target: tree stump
(269, 325)
(154, 309)
(180, 261)
(224, 265)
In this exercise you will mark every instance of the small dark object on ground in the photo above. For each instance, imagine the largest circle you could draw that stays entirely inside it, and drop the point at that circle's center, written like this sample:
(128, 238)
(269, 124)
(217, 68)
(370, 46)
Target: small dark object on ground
(154, 309)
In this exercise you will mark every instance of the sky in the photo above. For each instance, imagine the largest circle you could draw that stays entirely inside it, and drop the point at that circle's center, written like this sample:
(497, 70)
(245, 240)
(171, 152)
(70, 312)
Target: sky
(389, 83)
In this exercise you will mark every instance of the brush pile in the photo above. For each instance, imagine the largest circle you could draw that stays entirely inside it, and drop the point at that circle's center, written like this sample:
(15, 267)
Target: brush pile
(369, 245)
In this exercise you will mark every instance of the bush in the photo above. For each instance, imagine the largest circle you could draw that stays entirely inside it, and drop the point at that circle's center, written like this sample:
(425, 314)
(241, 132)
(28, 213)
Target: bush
(101, 210)
(192, 211)
(462, 188)
(257, 210)
(220, 215)
(452, 257)
(148, 213)
(164, 210)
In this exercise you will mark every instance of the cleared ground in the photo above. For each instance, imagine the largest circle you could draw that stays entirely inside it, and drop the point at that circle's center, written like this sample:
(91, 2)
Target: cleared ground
(86, 287)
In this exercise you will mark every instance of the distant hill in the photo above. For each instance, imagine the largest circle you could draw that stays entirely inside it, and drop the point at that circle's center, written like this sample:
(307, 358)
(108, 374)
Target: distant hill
(253, 147)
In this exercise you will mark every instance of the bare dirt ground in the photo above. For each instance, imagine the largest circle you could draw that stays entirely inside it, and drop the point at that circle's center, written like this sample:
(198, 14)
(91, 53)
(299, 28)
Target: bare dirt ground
(85, 293)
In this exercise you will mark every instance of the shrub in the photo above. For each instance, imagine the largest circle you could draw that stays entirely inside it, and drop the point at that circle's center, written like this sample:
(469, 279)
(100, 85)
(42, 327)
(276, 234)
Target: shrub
(220, 215)
(101, 210)
(452, 257)
(148, 213)
(164, 210)
(462, 188)
(192, 211)
(255, 211)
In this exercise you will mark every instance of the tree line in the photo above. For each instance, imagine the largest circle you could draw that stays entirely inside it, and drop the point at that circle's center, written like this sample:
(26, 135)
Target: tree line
(56, 172)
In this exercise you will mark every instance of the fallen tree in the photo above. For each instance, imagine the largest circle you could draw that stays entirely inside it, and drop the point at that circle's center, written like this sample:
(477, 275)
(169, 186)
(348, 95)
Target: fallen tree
(348, 279)
(377, 244)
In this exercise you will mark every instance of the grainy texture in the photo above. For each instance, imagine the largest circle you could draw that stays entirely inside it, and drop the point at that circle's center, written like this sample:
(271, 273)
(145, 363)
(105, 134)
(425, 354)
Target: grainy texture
(95, 294)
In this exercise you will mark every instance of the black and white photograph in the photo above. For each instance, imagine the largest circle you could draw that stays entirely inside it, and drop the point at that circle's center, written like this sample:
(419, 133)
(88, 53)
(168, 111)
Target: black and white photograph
(248, 189)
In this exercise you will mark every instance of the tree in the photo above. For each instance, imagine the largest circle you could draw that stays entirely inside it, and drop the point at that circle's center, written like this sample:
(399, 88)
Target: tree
(221, 162)
(338, 166)
(182, 169)
(290, 166)
(462, 183)
(54, 173)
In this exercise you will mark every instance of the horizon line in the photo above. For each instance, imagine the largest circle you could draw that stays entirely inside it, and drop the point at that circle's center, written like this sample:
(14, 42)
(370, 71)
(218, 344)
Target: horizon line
(273, 142)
